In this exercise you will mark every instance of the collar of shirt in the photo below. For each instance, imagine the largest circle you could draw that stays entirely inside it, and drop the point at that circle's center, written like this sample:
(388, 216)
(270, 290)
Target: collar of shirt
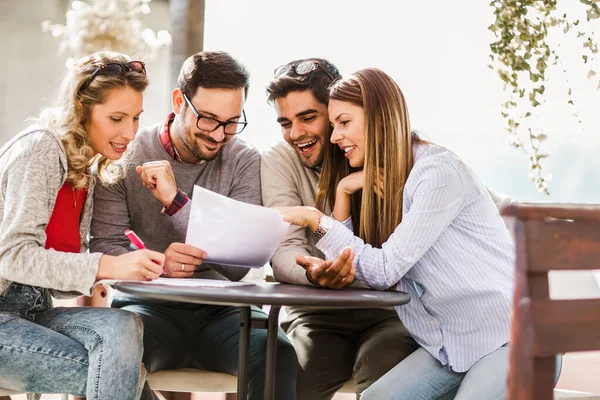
(167, 144)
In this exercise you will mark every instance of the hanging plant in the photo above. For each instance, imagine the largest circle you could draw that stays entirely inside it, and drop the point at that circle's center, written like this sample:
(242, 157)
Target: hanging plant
(521, 56)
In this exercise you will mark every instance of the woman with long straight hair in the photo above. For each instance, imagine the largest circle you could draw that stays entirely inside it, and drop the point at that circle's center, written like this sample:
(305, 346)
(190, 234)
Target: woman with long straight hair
(411, 216)
(47, 175)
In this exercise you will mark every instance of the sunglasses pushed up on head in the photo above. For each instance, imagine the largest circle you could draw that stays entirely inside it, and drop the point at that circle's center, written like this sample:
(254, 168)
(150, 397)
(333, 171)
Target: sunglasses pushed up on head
(301, 68)
(115, 69)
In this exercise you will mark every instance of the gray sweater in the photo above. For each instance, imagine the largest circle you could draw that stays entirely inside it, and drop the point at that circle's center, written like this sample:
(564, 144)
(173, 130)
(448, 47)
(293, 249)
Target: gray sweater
(33, 168)
(235, 173)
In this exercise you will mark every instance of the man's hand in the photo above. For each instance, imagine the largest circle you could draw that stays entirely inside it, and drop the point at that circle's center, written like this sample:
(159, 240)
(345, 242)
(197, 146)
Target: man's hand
(182, 260)
(335, 274)
(158, 177)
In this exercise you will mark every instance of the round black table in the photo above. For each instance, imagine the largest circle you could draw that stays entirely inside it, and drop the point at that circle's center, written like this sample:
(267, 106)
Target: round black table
(275, 295)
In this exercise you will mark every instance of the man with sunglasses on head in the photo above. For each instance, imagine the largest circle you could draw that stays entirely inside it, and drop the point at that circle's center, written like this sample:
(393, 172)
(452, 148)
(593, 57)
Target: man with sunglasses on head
(197, 144)
(338, 345)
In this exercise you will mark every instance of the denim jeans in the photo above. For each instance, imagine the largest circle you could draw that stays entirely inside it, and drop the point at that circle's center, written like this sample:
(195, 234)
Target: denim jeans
(89, 352)
(422, 377)
(178, 335)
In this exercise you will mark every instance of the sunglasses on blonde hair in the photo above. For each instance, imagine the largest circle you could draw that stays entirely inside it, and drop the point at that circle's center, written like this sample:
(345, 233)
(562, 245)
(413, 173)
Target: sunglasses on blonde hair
(115, 69)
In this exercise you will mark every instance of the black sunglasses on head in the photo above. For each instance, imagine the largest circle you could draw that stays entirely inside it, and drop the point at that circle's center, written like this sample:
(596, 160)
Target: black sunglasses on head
(115, 69)
(301, 68)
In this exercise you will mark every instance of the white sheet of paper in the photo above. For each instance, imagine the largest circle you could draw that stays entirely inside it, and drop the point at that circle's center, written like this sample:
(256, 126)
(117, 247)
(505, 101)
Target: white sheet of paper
(232, 232)
(187, 282)
(597, 276)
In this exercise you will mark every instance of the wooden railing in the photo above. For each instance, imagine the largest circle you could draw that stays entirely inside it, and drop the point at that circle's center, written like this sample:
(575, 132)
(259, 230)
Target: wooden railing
(549, 237)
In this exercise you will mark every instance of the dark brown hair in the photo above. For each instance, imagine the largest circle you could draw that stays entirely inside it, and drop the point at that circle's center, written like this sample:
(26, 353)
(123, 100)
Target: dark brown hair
(212, 69)
(317, 81)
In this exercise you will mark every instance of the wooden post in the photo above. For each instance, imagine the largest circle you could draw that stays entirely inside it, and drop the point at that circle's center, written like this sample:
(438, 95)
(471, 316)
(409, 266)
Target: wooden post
(187, 32)
(549, 237)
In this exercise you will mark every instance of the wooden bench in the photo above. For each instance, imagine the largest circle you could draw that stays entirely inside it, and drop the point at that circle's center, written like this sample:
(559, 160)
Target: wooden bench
(549, 237)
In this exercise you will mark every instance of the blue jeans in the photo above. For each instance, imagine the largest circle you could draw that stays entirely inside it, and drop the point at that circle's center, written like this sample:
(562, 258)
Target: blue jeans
(88, 352)
(422, 377)
(179, 335)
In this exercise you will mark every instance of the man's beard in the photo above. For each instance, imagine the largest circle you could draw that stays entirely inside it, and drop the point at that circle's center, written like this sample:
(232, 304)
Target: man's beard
(316, 163)
(193, 147)
(319, 157)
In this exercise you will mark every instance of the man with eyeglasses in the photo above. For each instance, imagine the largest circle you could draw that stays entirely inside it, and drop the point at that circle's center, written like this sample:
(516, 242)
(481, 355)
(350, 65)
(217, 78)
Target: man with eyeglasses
(195, 145)
(337, 345)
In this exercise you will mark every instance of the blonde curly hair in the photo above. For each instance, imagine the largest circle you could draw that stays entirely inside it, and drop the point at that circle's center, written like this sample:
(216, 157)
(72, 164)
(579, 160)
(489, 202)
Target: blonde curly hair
(75, 102)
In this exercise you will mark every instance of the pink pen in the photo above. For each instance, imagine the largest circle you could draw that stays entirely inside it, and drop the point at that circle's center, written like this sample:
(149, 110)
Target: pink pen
(134, 239)
(137, 242)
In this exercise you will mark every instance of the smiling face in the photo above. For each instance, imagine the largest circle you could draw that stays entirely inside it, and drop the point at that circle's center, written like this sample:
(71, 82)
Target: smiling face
(193, 144)
(304, 124)
(348, 130)
(114, 123)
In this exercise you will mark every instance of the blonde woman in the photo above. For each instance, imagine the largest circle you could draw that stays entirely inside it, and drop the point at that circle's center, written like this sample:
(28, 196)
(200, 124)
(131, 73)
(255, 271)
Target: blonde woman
(412, 217)
(45, 212)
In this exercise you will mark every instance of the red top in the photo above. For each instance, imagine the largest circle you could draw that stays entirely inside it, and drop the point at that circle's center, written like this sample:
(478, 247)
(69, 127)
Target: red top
(62, 232)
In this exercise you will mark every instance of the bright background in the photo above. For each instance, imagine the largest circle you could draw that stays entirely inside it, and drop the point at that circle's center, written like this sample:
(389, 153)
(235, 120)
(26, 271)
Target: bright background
(437, 51)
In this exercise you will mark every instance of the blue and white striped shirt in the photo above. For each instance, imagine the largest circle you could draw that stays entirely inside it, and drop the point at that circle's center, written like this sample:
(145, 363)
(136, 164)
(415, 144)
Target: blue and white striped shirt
(452, 253)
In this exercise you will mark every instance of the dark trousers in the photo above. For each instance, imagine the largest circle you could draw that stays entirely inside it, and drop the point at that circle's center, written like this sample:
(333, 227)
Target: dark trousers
(207, 337)
(334, 346)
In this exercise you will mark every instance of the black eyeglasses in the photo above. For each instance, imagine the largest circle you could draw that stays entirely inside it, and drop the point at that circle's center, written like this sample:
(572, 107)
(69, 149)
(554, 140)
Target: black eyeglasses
(208, 124)
(302, 68)
(115, 69)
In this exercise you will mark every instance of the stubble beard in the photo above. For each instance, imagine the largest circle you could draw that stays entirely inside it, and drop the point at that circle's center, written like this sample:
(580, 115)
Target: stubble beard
(188, 140)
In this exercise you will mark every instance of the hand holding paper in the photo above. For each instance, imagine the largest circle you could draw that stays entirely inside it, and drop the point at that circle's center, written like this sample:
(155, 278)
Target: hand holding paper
(232, 232)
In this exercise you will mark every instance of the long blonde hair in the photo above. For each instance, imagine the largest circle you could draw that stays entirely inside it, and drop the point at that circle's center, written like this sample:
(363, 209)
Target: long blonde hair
(388, 152)
(69, 119)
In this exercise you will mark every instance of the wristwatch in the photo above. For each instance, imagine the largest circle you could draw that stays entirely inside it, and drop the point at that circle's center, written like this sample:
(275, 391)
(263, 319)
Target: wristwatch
(325, 224)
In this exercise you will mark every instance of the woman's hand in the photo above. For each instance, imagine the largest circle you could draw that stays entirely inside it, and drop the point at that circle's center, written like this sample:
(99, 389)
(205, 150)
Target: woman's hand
(352, 183)
(301, 216)
(140, 265)
(335, 274)
(344, 191)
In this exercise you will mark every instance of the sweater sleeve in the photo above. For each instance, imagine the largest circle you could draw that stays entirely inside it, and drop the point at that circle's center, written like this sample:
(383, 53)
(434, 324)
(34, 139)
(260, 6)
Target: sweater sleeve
(27, 185)
(110, 220)
(280, 190)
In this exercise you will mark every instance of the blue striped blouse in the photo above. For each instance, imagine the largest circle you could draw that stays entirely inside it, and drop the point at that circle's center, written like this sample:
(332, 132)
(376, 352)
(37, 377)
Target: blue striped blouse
(452, 253)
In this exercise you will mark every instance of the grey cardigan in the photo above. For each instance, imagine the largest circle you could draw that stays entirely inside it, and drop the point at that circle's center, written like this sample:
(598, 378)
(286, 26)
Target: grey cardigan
(33, 167)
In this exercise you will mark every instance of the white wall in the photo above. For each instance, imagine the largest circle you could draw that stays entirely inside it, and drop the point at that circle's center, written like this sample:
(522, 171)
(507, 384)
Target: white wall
(436, 50)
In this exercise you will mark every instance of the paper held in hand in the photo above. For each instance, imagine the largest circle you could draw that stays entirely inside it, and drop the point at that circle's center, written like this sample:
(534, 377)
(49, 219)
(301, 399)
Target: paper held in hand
(232, 232)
